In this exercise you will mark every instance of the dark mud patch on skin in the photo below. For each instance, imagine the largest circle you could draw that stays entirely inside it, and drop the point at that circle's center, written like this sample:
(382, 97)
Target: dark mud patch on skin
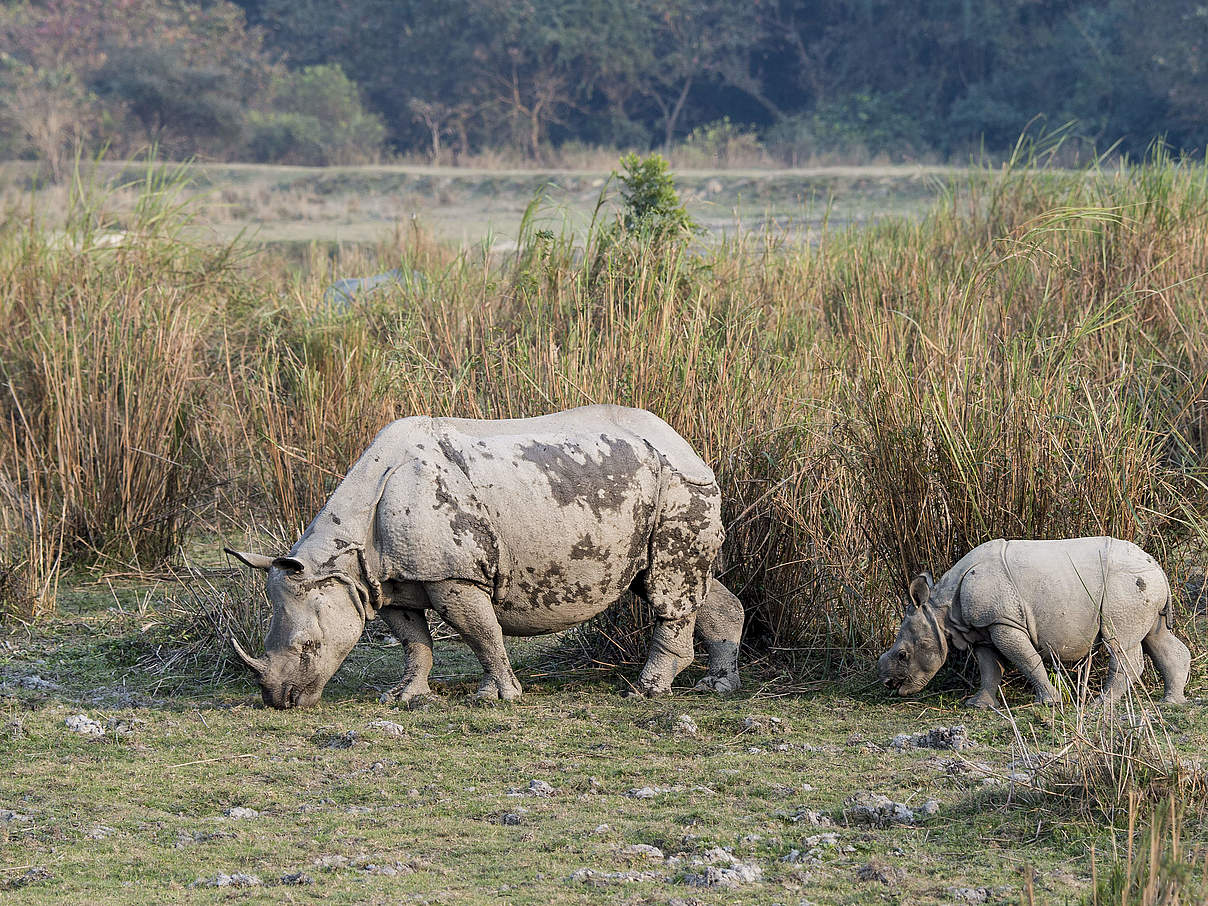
(603, 485)
(454, 456)
(1140, 583)
(587, 549)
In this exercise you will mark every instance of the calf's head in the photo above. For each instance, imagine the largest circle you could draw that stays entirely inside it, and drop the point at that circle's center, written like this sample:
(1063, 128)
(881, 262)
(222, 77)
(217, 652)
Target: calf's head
(316, 622)
(921, 646)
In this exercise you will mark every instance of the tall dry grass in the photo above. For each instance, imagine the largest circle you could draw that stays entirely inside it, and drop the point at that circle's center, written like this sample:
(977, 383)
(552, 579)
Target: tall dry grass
(1028, 361)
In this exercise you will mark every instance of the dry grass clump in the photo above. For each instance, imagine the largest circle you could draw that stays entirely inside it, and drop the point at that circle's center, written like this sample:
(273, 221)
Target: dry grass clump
(1023, 363)
(1160, 871)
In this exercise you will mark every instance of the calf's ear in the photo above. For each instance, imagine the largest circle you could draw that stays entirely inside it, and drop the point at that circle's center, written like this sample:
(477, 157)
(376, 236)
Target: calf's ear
(920, 589)
(255, 561)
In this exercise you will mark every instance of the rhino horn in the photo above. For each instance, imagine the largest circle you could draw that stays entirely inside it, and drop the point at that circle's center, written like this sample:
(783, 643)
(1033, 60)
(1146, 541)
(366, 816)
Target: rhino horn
(255, 561)
(259, 665)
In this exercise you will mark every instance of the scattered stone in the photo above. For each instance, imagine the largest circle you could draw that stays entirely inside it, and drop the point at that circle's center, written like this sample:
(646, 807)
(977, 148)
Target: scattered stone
(929, 809)
(15, 729)
(877, 870)
(124, 726)
(8, 816)
(642, 851)
(955, 738)
(85, 726)
(809, 816)
(602, 829)
(238, 879)
(594, 878)
(761, 723)
(648, 792)
(735, 876)
(298, 878)
(717, 867)
(686, 726)
(99, 832)
(875, 810)
(388, 869)
(535, 788)
(389, 727)
(239, 813)
(968, 894)
(509, 819)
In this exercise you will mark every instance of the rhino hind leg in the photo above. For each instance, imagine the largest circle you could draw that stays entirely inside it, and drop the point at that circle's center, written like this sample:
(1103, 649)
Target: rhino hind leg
(719, 627)
(1014, 645)
(1171, 658)
(1124, 669)
(410, 626)
(469, 610)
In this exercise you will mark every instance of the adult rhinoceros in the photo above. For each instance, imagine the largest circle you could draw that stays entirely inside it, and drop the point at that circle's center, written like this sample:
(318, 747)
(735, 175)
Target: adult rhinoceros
(1019, 600)
(510, 527)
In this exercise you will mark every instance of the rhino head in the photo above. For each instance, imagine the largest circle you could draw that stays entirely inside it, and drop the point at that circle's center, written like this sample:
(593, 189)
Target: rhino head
(316, 622)
(921, 646)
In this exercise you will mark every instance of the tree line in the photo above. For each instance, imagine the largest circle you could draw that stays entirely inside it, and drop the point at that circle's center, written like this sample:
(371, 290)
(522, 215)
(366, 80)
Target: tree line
(345, 81)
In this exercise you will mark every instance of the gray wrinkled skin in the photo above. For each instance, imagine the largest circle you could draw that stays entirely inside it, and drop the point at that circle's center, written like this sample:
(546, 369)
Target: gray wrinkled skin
(510, 527)
(1025, 602)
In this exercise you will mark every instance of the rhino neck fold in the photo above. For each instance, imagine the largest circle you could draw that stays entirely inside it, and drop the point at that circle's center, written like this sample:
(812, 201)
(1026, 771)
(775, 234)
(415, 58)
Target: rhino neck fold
(338, 543)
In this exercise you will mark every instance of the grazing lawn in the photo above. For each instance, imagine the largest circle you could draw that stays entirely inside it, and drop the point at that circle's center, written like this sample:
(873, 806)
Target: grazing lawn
(556, 799)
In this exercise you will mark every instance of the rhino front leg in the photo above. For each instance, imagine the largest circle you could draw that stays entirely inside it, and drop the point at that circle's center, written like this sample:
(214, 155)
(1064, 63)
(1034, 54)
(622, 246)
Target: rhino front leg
(1016, 647)
(991, 678)
(468, 609)
(670, 653)
(411, 628)
(719, 627)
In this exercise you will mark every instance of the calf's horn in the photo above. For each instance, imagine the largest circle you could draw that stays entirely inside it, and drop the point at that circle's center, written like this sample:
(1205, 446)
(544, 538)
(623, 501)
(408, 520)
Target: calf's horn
(256, 664)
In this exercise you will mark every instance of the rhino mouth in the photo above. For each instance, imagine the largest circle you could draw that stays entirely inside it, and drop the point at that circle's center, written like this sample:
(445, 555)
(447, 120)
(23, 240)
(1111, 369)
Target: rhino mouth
(289, 696)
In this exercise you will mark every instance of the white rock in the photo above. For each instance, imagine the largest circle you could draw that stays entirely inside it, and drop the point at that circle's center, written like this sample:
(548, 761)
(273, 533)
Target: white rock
(84, 725)
(239, 813)
(643, 851)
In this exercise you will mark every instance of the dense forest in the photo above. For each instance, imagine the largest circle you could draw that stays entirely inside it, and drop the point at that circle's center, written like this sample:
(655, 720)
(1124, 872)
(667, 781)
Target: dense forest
(346, 81)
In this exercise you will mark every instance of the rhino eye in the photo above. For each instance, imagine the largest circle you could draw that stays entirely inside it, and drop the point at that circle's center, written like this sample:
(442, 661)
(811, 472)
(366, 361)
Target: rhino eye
(903, 655)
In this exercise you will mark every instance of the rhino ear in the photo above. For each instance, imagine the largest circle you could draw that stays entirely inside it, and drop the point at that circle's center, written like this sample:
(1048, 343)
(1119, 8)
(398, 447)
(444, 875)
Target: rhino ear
(289, 564)
(255, 561)
(920, 589)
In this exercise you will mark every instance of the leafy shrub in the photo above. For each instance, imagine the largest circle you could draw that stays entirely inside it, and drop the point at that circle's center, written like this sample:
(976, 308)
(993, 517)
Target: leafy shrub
(315, 117)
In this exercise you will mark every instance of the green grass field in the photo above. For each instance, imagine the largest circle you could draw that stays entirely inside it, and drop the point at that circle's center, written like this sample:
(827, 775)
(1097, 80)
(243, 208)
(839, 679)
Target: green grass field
(434, 806)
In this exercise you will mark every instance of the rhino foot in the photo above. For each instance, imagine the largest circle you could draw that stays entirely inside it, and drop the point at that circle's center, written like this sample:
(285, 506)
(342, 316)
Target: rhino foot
(983, 700)
(1048, 699)
(411, 696)
(1171, 698)
(491, 690)
(723, 684)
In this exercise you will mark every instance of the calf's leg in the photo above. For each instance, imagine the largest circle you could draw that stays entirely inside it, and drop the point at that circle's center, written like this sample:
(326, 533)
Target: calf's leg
(469, 610)
(991, 677)
(1125, 667)
(1172, 659)
(411, 627)
(1014, 645)
(719, 627)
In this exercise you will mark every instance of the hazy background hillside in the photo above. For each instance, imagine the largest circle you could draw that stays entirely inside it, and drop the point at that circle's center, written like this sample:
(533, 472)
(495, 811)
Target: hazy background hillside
(781, 82)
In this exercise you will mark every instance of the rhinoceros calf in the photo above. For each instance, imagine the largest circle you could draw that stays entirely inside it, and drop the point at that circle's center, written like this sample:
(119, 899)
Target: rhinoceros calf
(1019, 600)
(517, 527)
